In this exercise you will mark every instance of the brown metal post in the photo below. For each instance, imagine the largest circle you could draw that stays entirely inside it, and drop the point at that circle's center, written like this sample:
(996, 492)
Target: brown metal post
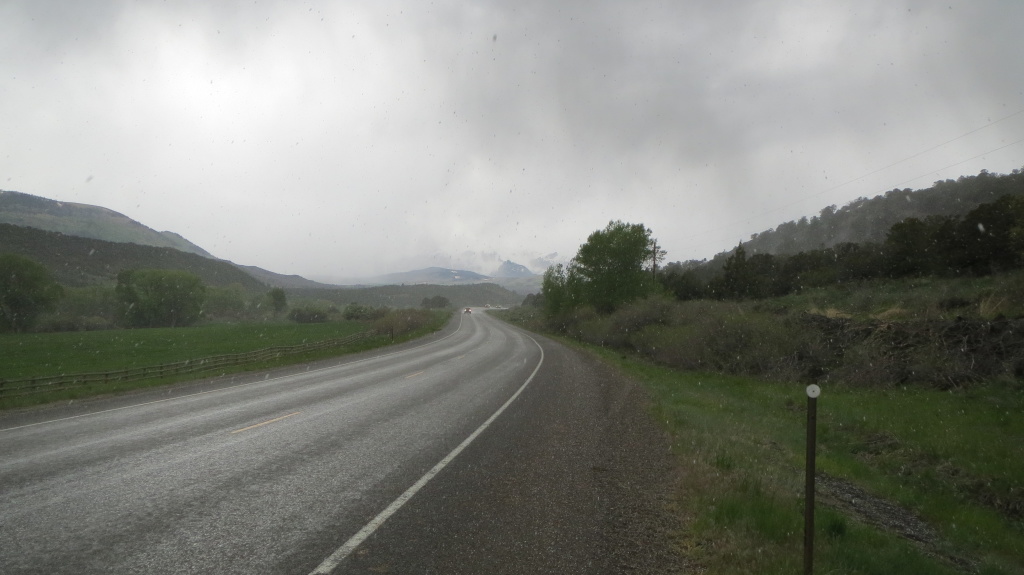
(812, 423)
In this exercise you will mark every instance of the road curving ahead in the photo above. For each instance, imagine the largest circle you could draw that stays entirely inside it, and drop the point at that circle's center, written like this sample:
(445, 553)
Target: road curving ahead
(551, 465)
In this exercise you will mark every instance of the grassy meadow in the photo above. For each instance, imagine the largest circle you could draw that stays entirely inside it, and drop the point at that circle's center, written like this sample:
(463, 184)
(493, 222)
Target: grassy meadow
(41, 354)
(946, 468)
(48, 354)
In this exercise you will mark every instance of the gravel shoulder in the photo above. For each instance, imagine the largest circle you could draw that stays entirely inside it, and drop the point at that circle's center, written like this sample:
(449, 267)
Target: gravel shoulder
(575, 477)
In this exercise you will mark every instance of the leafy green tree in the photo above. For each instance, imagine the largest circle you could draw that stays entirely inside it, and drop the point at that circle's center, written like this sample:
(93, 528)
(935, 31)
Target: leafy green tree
(560, 290)
(992, 234)
(225, 302)
(436, 302)
(308, 314)
(858, 261)
(814, 268)
(533, 300)
(160, 298)
(278, 300)
(26, 290)
(615, 265)
(83, 309)
(911, 248)
(682, 282)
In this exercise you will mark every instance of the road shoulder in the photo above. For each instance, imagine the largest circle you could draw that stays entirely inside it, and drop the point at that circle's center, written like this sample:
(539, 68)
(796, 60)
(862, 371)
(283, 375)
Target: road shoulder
(575, 477)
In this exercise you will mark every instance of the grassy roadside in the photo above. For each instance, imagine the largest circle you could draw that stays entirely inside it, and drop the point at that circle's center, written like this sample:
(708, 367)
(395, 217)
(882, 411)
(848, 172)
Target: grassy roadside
(944, 468)
(910, 479)
(45, 354)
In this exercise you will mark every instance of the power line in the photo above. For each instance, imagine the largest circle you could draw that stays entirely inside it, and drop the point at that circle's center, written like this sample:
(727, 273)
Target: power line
(962, 162)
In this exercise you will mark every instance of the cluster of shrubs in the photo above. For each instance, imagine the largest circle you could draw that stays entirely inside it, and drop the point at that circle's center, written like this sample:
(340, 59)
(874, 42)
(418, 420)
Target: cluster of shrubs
(311, 314)
(754, 340)
(398, 322)
(709, 318)
(384, 320)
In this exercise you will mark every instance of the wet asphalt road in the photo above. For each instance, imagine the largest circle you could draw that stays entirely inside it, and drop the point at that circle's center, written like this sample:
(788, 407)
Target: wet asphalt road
(273, 473)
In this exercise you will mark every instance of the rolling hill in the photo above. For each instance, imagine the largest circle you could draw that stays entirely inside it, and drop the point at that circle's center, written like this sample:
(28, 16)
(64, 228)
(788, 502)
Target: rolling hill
(86, 221)
(77, 261)
(432, 276)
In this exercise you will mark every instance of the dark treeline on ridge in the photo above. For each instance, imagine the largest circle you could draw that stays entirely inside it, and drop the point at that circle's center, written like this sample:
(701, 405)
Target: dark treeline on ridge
(867, 220)
(972, 226)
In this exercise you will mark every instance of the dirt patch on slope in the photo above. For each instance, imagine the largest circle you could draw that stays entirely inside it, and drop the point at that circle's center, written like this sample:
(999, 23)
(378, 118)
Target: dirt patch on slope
(886, 515)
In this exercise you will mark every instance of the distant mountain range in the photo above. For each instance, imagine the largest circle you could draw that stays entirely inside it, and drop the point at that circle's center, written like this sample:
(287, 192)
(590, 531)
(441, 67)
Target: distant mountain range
(509, 269)
(510, 275)
(85, 245)
(434, 276)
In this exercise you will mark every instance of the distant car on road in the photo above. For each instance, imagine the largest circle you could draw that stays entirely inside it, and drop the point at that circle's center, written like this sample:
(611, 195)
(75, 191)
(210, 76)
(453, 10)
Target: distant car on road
(468, 310)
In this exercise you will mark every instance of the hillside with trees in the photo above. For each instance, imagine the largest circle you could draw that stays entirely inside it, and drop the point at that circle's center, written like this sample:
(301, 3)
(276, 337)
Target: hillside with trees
(869, 220)
(77, 261)
(987, 240)
(938, 300)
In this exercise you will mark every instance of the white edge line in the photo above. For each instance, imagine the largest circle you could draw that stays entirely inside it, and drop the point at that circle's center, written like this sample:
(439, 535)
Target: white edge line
(336, 558)
(230, 386)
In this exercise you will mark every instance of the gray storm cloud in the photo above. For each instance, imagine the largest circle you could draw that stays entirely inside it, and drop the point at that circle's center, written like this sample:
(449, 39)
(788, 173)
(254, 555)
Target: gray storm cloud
(348, 139)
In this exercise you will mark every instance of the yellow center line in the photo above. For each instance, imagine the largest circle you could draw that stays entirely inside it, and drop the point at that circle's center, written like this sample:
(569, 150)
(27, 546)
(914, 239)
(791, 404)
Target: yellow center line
(414, 374)
(266, 422)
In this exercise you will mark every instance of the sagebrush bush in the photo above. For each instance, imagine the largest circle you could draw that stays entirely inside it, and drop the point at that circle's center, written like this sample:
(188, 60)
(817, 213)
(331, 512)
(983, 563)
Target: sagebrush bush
(308, 314)
(568, 323)
(398, 322)
(655, 310)
(722, 337)
(898, 333)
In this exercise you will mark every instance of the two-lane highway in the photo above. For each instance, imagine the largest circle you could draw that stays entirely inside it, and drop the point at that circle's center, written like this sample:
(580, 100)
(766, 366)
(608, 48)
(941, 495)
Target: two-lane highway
(268, 476)
(480, 449)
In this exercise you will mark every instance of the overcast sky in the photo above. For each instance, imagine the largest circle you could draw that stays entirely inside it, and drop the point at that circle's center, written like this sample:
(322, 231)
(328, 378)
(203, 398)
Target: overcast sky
(344, 139)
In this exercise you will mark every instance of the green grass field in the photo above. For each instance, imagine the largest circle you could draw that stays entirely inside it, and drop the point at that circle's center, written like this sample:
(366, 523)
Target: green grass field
(953, 464)
(49, 354)
(42, 354)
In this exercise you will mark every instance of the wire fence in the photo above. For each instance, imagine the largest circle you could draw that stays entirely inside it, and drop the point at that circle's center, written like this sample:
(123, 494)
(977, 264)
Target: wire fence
(43, 384)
